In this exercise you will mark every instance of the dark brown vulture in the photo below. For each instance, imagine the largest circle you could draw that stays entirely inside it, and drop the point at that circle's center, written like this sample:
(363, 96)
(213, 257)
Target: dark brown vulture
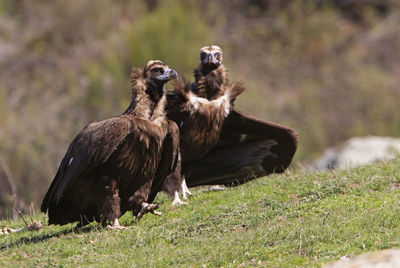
(200, 110)
(229, 150)
(121, 163)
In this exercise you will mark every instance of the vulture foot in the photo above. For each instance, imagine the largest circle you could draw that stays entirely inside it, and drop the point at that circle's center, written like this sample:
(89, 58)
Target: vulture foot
(116, 226)
(177, 201)
(185, 191)
(146, 208)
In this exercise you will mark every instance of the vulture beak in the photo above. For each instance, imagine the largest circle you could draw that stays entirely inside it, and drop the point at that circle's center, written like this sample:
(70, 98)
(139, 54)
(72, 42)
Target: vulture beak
(172, 74)
(207, 59)
(168, 75)
(210, 59)
(215, 61)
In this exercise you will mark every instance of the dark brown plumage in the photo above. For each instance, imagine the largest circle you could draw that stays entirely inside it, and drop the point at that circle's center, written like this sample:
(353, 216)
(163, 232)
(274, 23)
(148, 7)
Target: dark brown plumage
(118, 164)
(239, 148)
(200, 109)
(248, 148)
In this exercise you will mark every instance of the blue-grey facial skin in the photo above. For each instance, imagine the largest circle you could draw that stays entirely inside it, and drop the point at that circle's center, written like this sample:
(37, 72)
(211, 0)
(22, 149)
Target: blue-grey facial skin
(211, 59)
(168, 75)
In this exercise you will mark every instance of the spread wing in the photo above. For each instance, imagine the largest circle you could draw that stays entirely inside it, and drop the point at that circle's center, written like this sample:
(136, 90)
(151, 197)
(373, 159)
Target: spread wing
(91, 147)
(248, 148)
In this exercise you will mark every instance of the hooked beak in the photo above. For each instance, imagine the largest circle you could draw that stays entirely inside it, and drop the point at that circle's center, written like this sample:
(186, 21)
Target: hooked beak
(168, 75)
(210, 59)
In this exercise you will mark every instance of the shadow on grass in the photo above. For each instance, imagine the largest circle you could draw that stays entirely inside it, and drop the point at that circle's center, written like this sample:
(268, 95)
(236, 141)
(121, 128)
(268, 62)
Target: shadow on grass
(44, 237)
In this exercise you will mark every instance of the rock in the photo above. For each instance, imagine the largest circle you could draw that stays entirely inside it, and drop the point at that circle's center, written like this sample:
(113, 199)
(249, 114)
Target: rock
(383, 259)
(359, 151)
(216, 188)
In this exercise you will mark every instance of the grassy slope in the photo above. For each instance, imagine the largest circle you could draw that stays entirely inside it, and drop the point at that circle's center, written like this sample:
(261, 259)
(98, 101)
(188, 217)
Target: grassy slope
(288, 220)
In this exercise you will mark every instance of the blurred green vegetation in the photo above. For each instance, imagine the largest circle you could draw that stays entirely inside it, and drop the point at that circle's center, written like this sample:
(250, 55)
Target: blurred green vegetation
(311, 66)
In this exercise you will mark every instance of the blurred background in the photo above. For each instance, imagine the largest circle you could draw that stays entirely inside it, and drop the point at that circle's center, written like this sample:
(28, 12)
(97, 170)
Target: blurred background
(329, 69)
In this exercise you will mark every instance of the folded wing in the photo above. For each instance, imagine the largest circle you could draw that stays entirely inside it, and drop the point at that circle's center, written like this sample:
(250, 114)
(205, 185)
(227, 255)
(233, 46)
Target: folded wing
(91, 147)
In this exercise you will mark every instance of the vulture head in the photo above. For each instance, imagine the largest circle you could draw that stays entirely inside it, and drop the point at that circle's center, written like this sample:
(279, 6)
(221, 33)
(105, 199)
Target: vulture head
(157, 73)
(210, 57)
(157, 70)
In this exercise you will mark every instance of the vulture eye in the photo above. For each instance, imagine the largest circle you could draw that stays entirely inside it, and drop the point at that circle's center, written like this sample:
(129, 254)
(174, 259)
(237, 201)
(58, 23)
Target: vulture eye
(203, 55)
(217, 55)
(157, 70)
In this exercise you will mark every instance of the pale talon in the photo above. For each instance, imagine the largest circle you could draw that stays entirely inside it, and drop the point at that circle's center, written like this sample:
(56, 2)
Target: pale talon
(185, 195)
(177, 201)
(113, 227)
(156, 213)
(146, 208)
(185, 190)
(116, 226)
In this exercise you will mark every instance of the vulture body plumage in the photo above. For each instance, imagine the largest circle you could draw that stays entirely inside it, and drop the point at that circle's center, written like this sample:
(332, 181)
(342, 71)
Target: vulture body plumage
(118, 164)
(242, 147)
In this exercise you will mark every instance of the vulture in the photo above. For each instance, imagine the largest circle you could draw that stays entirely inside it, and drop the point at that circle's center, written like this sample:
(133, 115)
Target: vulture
(220, 145)
(199, 109)
(118, 164)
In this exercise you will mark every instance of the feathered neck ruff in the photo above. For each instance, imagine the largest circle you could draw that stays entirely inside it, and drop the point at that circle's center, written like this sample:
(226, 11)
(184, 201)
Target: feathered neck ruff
(210, 84)
(148, 100)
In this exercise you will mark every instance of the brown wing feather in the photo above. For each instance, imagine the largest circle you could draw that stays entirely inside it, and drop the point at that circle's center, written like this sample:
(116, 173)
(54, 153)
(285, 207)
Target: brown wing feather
(248, 148)
(90, 148)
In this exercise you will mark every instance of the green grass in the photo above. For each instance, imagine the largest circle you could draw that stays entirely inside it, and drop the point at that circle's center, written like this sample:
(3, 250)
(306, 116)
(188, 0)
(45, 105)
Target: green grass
(292, 220)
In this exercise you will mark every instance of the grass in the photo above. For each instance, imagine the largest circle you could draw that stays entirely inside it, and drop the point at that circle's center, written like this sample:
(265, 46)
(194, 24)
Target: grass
(292, 220)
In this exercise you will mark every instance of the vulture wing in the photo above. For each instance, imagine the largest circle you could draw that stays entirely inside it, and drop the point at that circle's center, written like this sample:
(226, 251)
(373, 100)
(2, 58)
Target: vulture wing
(91, 147)
(169, 159)
(248, 148)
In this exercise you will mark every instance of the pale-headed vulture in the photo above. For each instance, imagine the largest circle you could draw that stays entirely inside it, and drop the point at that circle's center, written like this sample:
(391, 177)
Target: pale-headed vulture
(229, 149)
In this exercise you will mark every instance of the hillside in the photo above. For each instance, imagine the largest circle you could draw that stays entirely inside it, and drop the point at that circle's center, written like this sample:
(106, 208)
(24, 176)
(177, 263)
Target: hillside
(295, 219)
(329, 69)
